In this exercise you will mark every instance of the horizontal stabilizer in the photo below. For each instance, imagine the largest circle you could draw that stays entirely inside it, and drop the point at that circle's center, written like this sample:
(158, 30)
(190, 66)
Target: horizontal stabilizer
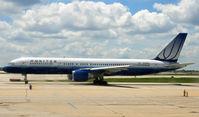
(179, 65)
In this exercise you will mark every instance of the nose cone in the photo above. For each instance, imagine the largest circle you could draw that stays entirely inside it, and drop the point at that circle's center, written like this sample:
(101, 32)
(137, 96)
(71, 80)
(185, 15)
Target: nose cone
(4, 69)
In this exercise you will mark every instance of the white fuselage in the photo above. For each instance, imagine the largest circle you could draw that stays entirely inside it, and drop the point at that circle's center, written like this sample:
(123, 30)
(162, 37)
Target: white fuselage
(37, 65)
(88, 62)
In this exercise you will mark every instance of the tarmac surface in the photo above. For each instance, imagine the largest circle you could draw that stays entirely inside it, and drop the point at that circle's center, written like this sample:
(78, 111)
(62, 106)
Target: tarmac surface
(74, 99)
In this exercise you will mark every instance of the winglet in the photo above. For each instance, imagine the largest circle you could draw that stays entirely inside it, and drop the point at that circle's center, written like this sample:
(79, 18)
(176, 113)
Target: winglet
(172, 51)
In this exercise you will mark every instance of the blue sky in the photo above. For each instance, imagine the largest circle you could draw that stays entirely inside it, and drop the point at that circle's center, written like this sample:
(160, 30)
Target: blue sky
(97, 29)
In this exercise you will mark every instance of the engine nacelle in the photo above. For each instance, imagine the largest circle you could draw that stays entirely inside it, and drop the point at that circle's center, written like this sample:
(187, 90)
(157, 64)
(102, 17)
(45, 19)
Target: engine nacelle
(80, 75)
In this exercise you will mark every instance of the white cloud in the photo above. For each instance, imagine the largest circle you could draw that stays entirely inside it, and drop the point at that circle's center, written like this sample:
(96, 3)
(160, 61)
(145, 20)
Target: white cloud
(24, 3)
(186, 11)
(145, 21)
(4, 28)
(56, 17)
(92, 16)
(8, 9)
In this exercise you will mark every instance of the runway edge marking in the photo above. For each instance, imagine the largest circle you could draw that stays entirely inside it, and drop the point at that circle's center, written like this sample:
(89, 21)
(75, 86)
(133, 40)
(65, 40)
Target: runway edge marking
(72, 105)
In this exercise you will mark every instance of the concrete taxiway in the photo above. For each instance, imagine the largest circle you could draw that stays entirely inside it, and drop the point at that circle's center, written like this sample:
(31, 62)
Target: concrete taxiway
(71, 99)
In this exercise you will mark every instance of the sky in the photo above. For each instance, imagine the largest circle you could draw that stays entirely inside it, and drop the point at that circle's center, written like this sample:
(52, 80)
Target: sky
(132, 29)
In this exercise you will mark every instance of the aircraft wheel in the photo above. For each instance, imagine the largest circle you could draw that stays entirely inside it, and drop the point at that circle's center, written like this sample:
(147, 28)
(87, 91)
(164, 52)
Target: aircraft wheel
(26, 82)
(104, 83)
(96, 82)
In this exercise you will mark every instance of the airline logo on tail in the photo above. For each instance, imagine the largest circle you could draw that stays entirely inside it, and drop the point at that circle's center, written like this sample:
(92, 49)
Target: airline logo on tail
(172, 51)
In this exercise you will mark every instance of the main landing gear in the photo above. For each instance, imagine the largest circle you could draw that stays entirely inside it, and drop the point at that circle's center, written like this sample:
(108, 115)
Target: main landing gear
(25, 78)
(99, 80)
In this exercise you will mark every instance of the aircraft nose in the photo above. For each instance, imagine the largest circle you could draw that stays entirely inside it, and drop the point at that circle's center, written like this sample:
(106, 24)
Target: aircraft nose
(4, 69)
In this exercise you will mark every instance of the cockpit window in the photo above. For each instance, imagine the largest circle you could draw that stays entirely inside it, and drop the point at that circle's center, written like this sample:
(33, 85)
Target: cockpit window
(11, 63)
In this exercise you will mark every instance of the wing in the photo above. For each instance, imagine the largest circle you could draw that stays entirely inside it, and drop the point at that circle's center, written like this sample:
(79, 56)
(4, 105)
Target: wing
(108, 70)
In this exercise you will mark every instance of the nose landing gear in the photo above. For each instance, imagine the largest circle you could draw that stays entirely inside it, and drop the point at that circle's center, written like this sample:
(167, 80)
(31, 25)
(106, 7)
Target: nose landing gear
(25, 78)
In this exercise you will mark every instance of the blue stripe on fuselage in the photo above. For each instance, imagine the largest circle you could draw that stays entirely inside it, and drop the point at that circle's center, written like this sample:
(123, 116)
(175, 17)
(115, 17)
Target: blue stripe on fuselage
(69, 69)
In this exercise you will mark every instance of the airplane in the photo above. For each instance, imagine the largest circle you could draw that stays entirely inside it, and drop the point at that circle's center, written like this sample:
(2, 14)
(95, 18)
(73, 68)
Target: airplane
(82, 69)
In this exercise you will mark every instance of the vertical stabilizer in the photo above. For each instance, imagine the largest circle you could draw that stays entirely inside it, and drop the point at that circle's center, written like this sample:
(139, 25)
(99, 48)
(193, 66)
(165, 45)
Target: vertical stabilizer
(172, 51)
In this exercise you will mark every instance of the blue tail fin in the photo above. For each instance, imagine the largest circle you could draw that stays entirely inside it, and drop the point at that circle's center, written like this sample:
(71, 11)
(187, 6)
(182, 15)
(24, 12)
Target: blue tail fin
(172, 51)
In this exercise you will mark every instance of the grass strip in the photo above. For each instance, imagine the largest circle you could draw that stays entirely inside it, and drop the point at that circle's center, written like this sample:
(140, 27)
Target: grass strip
(155, 80)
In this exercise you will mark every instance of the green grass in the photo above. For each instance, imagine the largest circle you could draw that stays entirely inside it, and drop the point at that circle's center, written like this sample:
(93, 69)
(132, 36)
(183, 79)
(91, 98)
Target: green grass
(155, 80)
(177, 74)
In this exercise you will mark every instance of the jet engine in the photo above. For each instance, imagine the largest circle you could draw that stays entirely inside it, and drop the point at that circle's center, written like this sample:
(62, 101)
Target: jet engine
(80, 75)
